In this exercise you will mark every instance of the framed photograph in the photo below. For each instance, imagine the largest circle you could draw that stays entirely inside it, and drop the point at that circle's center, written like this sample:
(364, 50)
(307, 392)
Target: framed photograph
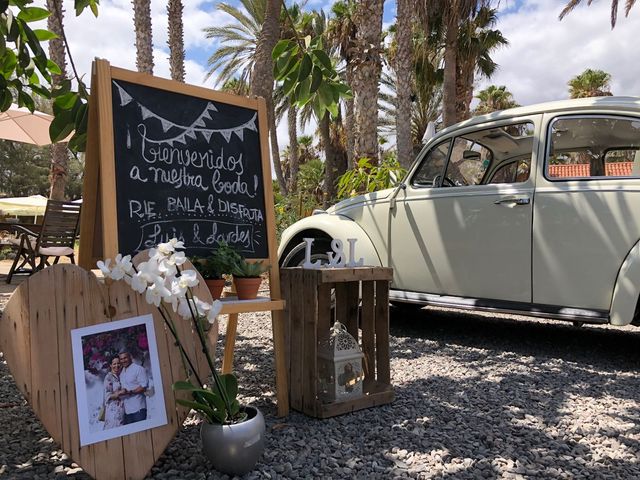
(118, 379)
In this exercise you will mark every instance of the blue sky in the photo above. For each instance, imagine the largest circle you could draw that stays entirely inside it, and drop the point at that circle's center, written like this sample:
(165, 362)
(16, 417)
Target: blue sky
(542, 56)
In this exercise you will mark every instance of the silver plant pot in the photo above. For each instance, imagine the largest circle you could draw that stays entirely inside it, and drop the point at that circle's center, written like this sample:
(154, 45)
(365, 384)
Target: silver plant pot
(234, 449)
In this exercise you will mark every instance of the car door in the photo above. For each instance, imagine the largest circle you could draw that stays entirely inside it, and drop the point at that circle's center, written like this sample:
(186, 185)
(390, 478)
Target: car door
(586, 216)
(462, 225)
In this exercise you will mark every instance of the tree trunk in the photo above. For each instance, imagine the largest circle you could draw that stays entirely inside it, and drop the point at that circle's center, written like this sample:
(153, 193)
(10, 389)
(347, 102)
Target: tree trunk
(464, 88)
(404, 81)
(339, 149)
(261, 84)
(450, 67)
(294, 150)
(330, 170)
(176, 39)
(367, 69)
(144, 38)
(350, 118)
(59, 153)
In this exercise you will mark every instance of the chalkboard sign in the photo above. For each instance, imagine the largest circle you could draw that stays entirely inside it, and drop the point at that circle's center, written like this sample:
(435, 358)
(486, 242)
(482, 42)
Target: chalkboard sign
(189, 168)
(167, 159)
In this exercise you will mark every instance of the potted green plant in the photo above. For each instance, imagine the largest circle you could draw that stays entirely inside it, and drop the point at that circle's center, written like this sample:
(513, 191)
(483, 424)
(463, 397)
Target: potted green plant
(213, 268)
(247, 277)
(232, 434)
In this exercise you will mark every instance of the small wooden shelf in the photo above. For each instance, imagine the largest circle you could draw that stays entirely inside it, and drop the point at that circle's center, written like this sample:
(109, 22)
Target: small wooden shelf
(260, 304)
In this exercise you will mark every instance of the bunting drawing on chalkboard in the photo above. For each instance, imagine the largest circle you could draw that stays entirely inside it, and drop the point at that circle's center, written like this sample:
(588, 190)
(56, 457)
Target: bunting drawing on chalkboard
(187, 131)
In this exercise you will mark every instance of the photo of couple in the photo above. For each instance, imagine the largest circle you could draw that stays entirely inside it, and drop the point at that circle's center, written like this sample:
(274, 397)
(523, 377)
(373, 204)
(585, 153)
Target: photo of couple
(124, 392)
(118, 381)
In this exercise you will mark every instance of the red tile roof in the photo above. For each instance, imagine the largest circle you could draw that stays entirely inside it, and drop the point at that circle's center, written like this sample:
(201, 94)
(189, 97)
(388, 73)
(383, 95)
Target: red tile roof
(614, 169)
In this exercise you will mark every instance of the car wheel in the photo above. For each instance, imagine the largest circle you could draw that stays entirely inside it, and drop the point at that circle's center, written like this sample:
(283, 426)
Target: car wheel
(319, 249)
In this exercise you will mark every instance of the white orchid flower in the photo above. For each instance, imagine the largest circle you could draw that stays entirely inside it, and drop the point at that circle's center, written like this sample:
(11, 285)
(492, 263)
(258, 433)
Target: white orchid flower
(148, 273)
(157, 292)
(166, 248)
(178, 258)
(188, 279)
(176, 244)
(139, 282)
(122, 267)
(215, 311)
(104, 267)
(202, 308)
(183, 308)
(169, 265)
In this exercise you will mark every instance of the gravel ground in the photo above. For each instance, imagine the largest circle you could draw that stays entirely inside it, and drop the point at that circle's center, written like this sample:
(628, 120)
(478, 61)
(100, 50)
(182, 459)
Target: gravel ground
(477, 396)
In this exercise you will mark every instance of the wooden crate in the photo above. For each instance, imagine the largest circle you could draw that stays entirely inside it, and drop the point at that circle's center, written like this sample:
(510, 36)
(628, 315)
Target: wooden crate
(308, 317)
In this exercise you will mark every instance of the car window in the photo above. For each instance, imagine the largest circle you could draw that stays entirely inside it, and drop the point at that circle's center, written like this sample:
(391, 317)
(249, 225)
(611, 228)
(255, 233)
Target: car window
(513, 172)
(430, 171)
(584, 147)
(467, 163)
(491, 155)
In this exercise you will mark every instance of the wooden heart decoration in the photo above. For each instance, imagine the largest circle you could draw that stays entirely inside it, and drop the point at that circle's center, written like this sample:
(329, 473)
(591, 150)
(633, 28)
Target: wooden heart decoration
(36, 341)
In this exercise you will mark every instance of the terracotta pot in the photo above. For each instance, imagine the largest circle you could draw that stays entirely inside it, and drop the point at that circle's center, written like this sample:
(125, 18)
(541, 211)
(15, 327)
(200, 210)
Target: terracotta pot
(235, 449)
(216, 285)
(247, 287)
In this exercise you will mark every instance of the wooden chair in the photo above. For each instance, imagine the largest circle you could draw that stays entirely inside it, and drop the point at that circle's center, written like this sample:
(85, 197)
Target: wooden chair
(56, 239)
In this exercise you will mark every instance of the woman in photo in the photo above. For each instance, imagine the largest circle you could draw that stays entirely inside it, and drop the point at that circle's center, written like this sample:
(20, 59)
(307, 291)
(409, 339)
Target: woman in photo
(113, 393)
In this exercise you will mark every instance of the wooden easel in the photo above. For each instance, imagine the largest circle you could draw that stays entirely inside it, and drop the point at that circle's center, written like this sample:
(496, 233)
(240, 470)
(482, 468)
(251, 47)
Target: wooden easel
(99, 222)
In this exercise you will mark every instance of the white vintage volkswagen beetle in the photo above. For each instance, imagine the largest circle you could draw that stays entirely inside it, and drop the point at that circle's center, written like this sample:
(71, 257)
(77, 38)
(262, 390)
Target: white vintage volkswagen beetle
(534, 210)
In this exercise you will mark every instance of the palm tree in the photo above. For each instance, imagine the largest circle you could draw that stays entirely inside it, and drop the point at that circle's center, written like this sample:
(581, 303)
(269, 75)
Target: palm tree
(299, 24)
(590, 83)
(176, 39)
(341, 33)
(451, 14)
(403, 66)
(59, 153)
(614, 9)
(426, 107)
(367, 69)
(261, 81)
(476, 41)
(144, 39)
(236, 87)
(238, 40)
(494, 98)
(244, 42)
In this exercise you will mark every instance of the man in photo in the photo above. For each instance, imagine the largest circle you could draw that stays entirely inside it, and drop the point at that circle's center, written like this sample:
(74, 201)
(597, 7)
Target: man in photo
(134, 382)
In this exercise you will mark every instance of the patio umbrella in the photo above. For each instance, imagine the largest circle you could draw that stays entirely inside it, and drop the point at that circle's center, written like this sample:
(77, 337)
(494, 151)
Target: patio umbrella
(20, 125)
(32, 205)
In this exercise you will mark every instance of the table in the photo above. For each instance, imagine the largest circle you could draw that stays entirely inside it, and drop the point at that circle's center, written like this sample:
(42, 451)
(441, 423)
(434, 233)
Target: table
(11, 227)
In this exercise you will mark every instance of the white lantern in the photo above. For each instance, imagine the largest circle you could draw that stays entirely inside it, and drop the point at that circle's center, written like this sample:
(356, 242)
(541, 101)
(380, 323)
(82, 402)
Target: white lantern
(340, 372)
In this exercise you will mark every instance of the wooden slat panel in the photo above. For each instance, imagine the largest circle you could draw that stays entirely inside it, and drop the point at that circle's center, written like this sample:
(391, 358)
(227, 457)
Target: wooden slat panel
(69, 302)
(352, 307)
(325, 312)
(310, 359)
(382, 331)
(285, 287)
(136, 446)
(367, 314)
(15, 338)
(355, 274)
(93, 456)
(379, 394)
(45, 386)
(297, 338)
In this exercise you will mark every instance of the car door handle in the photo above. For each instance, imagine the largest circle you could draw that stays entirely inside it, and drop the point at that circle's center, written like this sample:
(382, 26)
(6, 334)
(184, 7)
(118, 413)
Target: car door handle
(513, 201)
